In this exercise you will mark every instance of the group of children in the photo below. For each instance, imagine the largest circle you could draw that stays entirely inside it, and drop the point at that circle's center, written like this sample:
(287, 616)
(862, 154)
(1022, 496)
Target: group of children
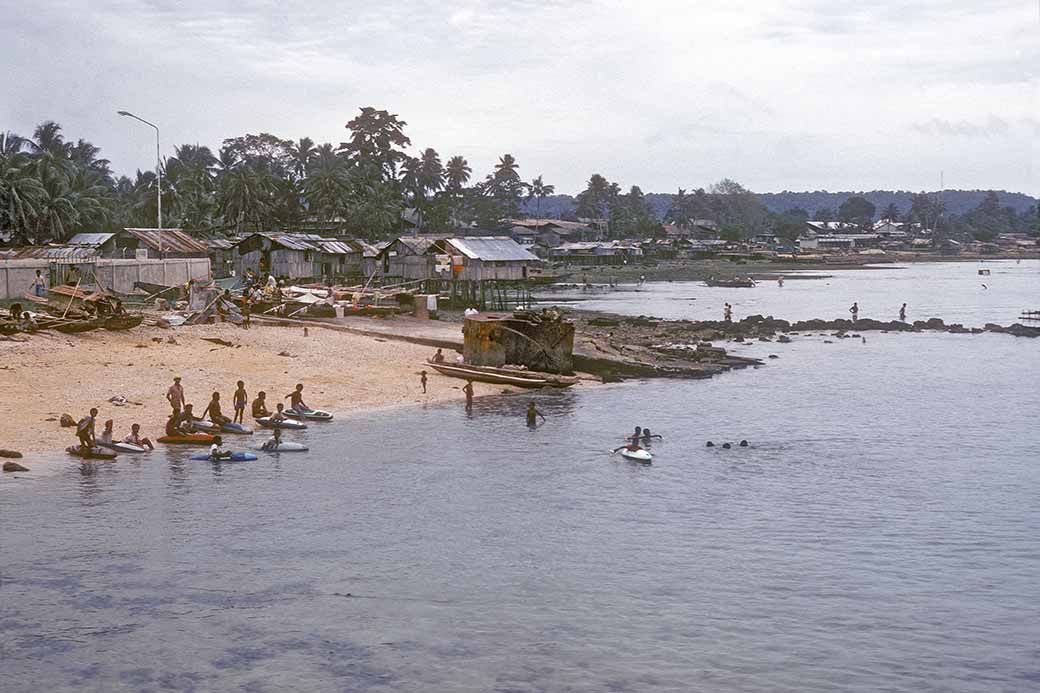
(182, 419)
(85, 433)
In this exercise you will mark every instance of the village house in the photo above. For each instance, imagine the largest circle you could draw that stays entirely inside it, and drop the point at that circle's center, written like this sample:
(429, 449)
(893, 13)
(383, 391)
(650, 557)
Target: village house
(141, 244)
(699, 229)
(597, 253)
(405, 258)
(297, 256)
(481, 258)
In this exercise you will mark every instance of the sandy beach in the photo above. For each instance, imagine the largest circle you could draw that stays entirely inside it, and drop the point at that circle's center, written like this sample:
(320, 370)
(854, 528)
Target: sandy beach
(51, 374)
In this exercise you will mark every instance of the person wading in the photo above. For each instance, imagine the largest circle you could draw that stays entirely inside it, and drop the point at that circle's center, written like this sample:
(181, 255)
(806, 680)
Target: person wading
(533, 414)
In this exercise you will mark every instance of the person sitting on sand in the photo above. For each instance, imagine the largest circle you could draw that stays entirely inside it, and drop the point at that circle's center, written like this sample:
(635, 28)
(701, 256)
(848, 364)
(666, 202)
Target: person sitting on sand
(213, 411)
(26, 323)
(438, 357)
(217, 451)
(274, 442)
(106, 434)
(240, 402)
(184, 423)
(135, 438)
(85, 429)
(296, 399)
(260, 405)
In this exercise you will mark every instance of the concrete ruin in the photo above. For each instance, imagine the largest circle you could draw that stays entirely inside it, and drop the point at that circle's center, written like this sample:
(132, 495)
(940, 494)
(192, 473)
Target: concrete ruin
(541, 341)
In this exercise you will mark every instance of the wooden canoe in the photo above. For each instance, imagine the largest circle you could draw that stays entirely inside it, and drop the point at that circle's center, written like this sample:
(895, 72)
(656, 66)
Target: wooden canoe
(503, 376)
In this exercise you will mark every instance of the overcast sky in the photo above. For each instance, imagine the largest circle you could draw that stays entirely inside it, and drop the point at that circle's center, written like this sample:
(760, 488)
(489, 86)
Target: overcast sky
(795, 94)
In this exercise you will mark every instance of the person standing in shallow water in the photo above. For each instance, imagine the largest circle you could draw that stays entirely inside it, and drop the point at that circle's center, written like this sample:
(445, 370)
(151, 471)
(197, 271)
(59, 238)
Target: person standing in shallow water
(468, 391)
(533, 414)
(902, 313)
(855, 311)
(727, 313)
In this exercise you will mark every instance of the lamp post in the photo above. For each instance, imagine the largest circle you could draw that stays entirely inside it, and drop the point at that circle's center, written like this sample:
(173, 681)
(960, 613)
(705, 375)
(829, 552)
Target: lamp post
(158, 176)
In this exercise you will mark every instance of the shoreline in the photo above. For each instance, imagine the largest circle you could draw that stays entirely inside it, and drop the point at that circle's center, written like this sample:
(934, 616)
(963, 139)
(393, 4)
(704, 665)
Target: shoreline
(48, 375)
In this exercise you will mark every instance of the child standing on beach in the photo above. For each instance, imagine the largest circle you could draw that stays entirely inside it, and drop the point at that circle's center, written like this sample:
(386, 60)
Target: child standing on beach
(422, 380)
(240, 402)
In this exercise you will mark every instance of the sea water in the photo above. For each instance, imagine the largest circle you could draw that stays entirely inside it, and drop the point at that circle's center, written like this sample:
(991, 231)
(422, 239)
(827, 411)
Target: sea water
(879, 533)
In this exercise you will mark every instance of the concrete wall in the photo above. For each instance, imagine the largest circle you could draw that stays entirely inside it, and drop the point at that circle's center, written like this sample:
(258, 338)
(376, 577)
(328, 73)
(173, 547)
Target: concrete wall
(16, 276)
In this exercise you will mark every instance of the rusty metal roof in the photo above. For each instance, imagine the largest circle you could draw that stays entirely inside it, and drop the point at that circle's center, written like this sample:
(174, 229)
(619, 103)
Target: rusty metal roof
(50, 252)
(308, 241)
(171, 240)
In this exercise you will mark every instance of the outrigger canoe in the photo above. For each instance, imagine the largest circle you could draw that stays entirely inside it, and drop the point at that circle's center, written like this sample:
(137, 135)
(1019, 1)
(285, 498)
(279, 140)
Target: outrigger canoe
(503, 376)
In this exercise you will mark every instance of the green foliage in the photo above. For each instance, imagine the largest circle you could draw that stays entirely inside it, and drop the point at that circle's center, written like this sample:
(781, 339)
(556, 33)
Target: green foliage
(857, 210)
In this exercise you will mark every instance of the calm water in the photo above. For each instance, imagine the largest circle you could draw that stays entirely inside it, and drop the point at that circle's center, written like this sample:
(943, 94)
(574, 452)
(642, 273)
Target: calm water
(881, 533)
(952, 291)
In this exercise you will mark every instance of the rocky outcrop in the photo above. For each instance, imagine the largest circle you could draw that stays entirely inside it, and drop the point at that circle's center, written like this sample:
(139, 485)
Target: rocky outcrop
(11, 454)
(14, 467)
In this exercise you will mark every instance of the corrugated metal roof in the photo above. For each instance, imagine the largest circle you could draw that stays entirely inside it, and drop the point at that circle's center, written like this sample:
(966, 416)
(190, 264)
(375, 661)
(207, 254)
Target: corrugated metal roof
(92, 239)
(171, 240)
(492, 249)
(220, 243)
(309, 241)
(50, 252)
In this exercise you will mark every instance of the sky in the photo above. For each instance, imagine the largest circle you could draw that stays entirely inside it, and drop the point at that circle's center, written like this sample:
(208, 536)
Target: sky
(778, 95)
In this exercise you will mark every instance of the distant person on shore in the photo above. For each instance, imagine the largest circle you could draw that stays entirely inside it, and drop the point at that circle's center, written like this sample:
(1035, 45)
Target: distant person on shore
(39, 284)
(902, 313)
(260, 405)
(533, 414)
(175, 396)
(239, 402)
(468, 391)
(727, 313)
(296, 399)
(422, 380)
(780, 281)
(274, 442)
(85, 429)
(213, 411)
(438, 357)
(247, 309)
(855, 311)
(135, 438)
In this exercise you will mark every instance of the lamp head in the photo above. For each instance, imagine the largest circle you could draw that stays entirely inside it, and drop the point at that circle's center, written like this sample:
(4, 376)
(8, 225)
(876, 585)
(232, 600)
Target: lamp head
(123, 113)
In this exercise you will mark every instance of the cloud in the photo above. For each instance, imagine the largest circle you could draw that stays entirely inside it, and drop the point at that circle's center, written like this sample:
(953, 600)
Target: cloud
(991, 127)
(776, 93)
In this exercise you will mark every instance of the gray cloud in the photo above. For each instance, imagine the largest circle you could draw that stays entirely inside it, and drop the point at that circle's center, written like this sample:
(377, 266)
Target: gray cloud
(778, 94)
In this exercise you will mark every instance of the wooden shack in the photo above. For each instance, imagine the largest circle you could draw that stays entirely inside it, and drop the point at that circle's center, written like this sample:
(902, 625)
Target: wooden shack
(541, 341)
(297, 256)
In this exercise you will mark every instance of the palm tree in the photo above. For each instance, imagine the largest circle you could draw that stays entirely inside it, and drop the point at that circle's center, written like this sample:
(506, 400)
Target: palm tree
(303, 152)
(457, 173)
(326, 188)
(538, 190)
(191, 176)
(20, 189)
(246, 194)
(56, 210)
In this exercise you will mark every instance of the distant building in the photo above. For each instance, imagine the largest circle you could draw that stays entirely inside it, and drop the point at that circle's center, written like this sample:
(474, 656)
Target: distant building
(298, 256)
(481, 258)
(141, 243)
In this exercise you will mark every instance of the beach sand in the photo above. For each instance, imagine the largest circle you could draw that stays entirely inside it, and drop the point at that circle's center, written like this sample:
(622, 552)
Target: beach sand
(52, 374)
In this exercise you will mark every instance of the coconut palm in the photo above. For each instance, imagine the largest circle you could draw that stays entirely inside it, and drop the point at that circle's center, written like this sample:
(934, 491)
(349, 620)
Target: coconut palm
(457, 173)
(538, 190)
(20, 189)
(303, 152)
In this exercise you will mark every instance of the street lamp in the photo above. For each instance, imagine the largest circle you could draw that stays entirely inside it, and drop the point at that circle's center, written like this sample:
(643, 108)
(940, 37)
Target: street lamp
(158, 175)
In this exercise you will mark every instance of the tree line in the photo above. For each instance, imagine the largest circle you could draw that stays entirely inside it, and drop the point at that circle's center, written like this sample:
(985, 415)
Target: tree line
(52, 188)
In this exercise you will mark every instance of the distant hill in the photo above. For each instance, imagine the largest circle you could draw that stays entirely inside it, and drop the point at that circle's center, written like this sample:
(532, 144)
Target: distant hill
(957, 201)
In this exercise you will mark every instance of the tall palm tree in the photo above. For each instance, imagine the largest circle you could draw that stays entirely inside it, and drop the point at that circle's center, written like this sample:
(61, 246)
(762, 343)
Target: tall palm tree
(191, 176)
(303, 152)
(538, 190)
(20, 189)
(326, 188)
(457, 173)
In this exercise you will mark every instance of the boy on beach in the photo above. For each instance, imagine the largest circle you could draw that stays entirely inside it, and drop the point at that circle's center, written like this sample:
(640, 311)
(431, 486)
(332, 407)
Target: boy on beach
(296, 399)
(240, 402)
(39, 284)
(259, 407)
(85, 429)
(175, 396)
(422, 380)
(135, 438)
